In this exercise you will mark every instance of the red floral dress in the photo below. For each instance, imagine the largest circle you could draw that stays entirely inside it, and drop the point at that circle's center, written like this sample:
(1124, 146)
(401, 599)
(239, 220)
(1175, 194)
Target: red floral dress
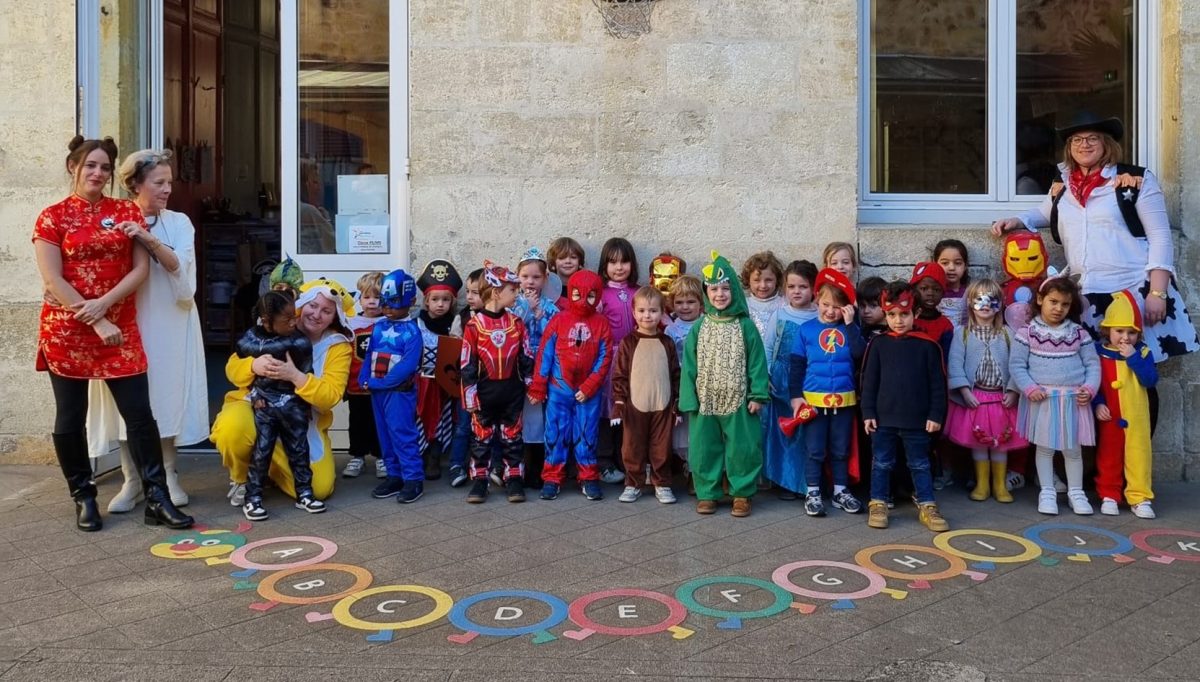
(95, 257)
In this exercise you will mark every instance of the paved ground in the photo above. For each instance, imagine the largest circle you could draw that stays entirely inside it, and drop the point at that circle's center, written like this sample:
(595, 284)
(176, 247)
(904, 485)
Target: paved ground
(101, 606)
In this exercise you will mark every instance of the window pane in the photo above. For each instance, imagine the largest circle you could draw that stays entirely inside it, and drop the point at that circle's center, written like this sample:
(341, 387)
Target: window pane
(125, 105)
(929, 96)
(343, 111)
(1067, 60)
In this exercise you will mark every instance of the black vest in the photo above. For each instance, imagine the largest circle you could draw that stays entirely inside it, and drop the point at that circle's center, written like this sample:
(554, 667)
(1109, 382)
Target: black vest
(1126, 200)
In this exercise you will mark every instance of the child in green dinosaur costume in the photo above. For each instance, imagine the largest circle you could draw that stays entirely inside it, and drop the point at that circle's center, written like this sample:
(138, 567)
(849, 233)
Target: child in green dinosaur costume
(722, 386)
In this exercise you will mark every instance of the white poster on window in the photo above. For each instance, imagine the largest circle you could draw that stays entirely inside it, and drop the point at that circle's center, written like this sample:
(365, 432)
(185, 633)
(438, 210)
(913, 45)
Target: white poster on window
(362, 233)
(362, 194)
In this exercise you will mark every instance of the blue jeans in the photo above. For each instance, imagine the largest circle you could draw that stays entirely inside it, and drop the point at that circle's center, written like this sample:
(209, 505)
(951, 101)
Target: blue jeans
(916, 452)
(828, 434)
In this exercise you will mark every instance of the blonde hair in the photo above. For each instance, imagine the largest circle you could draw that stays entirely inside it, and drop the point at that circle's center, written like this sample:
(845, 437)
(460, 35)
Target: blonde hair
(370, 283)
(976, 288)
(833, 247)
(650, 295)
(687, 285)
(137, 166)
(1113, 153)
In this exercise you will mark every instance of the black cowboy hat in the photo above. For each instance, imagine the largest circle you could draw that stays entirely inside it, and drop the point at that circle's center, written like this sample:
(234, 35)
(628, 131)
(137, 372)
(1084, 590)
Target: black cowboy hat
(1088, 120)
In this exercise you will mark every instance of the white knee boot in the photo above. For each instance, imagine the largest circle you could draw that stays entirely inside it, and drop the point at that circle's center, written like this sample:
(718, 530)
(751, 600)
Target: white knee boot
(131, 490)
(179, 497)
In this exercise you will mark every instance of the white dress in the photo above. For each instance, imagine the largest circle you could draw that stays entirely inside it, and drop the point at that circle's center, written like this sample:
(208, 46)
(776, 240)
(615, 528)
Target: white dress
(174, 344)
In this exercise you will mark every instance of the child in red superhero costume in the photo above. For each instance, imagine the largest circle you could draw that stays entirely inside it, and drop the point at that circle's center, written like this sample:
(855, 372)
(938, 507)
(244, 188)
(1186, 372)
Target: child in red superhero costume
(572, 365)
(496, 364)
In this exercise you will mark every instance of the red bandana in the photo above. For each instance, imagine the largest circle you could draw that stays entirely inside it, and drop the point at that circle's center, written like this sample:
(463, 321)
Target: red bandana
(1082, 185)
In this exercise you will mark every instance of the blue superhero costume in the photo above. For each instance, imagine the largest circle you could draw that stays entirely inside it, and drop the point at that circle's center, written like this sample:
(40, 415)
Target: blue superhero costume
(392, 359)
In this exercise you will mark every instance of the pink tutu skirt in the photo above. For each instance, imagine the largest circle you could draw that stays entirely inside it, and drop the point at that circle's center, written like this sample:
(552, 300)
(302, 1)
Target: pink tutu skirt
(991, 425)
(1058, 422)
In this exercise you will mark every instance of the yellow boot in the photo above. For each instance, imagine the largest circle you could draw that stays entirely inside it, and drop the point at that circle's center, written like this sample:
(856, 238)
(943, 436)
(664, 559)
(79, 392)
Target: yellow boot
(982, 489)
(999, 488)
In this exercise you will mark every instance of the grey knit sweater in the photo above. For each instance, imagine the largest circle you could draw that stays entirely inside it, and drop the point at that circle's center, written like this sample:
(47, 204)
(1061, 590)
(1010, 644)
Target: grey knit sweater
(966, 356)
(1042, 355)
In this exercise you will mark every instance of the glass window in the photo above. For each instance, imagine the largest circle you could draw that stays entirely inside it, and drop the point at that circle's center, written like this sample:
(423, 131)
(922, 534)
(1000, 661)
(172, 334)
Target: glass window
(343, 118)
(962, 97)
(123, 101)
(929, 97)
(1069, 60)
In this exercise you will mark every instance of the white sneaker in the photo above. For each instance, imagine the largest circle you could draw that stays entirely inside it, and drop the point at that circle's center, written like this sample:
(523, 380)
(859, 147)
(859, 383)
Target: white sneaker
(236, 494)
(1059, 486)
(630, 494)
(1048, 502)
(353, 468)
(380, 468)
(667, 496)
(1143, 510)
(612, 475)
(1108, 507)
(1014, 481)
(1079, 503)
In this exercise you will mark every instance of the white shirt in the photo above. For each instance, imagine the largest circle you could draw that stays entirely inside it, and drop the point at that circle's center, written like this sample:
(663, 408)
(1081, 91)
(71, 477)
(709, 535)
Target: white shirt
(1097, 242)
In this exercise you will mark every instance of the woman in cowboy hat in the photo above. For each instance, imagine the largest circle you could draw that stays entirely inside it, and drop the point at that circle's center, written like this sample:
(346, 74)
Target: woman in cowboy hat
(1111, 219)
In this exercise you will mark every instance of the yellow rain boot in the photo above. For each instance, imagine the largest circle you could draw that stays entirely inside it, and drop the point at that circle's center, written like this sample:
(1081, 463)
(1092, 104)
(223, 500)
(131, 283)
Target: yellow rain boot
(999, 488)
(982, 489)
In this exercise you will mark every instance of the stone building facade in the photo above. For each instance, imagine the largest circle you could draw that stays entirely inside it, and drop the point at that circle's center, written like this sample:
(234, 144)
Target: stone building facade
(734, 124)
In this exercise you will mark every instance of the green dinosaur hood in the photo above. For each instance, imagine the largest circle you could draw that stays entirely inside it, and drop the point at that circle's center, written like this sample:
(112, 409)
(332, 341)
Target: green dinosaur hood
(719, 270)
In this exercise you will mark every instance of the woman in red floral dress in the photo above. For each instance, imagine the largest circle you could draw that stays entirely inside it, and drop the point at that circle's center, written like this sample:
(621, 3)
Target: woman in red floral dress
(90, 270)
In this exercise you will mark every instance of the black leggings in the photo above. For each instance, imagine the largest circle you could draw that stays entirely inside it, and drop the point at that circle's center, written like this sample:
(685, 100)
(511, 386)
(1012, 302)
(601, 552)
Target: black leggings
(132, 395)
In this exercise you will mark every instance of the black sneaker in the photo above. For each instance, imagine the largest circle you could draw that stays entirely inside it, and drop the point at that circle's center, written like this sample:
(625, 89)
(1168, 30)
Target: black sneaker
(254, 511)
(813, 506)
(310, 504)
(458, 476)
(391, 485)
(479, 490)
(847, 502)
(516, 489)
(411, 492)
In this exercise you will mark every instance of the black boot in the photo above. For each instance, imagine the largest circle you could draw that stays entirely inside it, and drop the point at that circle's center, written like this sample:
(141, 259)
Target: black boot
(71, 449)
(433, 462)
(146, 449)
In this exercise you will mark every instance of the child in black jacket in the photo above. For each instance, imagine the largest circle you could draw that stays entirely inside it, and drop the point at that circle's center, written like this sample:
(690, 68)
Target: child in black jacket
(903, 400)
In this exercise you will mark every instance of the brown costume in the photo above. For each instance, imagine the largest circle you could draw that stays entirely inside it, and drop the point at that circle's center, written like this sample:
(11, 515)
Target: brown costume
(645, 388)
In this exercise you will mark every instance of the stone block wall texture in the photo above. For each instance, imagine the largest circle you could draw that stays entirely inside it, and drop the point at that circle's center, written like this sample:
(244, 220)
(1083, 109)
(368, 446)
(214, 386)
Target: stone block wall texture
(732, 125)
(37, 106)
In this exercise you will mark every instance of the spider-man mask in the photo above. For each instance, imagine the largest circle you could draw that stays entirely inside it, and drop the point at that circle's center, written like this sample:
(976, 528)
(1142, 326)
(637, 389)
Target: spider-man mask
(583, 292)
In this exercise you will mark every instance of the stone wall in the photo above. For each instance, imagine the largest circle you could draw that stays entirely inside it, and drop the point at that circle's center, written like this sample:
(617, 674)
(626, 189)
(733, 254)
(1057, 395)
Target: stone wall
(37, 106)
(731, 125)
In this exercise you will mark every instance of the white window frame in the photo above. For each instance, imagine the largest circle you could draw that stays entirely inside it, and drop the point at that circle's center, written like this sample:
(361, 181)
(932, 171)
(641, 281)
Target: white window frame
(1000, 200)
(345, 267)
(87, 70)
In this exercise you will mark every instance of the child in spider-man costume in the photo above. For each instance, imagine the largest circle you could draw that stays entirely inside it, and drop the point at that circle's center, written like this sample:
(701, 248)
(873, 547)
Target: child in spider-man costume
(572, 365)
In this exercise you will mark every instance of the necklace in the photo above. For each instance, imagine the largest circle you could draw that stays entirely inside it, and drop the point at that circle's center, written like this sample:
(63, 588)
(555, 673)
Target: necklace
(166, 234)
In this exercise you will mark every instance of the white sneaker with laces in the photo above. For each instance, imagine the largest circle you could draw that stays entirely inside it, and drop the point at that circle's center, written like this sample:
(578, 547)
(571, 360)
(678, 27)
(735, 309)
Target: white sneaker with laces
(353, 468)
(1143, 510)
(664, 494)
(1048, 502)
(380, 468)
(1014, 481)
(630, 494)
(236, 494)
(1079, 502)
(1108, 507)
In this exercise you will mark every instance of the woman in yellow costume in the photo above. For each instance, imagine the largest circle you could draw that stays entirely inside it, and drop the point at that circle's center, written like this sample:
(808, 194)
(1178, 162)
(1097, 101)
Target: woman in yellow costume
(323, 306)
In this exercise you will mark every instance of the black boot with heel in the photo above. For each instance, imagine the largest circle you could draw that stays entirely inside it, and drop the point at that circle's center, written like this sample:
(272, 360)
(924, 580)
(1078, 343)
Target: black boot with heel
(146, 449)
(72, 452)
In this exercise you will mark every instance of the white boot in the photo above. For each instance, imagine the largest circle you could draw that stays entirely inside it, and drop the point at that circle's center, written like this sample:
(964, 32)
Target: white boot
(131, 490)
(179, 497)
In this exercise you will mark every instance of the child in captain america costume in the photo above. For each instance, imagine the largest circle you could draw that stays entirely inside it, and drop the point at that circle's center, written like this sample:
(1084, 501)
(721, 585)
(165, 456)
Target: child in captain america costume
(496, 366)
(572, 365)
(389, 371)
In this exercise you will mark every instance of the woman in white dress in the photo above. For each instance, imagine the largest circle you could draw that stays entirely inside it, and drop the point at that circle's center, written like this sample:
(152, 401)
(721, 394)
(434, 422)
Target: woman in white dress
(170, 327)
